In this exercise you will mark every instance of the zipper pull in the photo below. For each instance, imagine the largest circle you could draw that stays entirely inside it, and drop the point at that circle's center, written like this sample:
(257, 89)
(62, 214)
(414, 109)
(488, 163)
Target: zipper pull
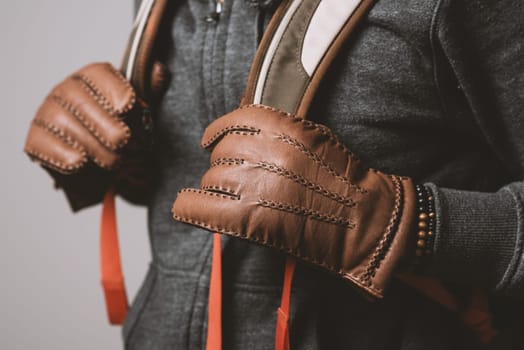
(215, 15)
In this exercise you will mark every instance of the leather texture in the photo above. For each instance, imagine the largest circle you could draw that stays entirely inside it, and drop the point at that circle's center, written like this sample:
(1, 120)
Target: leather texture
(80, 120)
(288, 183)
(82, 133)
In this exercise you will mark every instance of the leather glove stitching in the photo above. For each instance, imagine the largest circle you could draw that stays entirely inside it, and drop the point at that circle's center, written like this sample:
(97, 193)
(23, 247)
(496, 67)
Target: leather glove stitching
(90, 87)
(303, 162)
(52, 163)
(348, 276)
(210, 193)
(389, 233)
(69, 107)
(227, 161)
(308, 123)
(69, 140)
(132, 99)
(233, 129)
(93, 90)
(56, 131)
(221, 190)
(317, 159)
(309, 213)
(49, 161)
(273, 168)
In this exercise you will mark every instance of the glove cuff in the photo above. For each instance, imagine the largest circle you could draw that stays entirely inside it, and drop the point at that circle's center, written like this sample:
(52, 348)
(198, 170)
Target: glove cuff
(84, 189)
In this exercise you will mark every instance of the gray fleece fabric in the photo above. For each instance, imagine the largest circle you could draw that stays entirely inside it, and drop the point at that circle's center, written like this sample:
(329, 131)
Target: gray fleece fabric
(432, 89)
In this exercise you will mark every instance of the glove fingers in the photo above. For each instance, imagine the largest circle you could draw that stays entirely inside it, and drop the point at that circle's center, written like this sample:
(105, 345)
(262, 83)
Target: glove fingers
(104, 80)
(266, 185)
(275, 155)
(314, 141)
(200, 208)
(257, 180)
(74, 96)
(54, 150)
(285, 227)
(247, 120)
(55, 116)
(253, 147)
(226, 178)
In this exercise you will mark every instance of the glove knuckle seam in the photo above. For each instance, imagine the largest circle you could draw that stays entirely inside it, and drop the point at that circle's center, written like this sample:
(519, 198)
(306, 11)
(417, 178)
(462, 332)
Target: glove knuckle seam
(319, 127)
(223, 190)
(305, 212)
(92, 89)
(90, 127)
(213, 194)
(289, 174)
(56, 131)
(244, 130)
(227, 161)
(319, 161)
(132, 99)
(89, 86)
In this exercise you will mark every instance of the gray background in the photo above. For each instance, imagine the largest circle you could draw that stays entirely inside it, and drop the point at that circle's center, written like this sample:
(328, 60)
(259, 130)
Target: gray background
(50, 293)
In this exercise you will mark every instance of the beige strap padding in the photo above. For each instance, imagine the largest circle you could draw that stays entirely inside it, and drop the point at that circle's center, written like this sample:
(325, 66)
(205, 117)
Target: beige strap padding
(287, 68)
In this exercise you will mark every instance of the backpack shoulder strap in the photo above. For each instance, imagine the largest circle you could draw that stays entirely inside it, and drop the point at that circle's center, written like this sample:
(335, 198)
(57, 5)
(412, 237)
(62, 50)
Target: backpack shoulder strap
(299, 44)
(301, 41)
(138, 57)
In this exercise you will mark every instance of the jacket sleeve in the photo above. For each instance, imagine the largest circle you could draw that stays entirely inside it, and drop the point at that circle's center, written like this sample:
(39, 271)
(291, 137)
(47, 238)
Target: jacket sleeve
(480, 236)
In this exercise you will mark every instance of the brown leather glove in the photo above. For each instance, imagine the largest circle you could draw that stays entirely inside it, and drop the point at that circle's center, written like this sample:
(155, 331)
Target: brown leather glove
(79, 133)
(288, 183)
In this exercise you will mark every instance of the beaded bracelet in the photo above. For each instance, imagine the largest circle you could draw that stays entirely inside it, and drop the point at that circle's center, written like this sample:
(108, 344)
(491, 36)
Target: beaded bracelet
(426, 224)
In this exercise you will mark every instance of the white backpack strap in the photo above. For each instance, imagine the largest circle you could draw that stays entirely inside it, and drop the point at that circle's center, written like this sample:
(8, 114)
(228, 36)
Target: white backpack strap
(137, 62)
(300, 42)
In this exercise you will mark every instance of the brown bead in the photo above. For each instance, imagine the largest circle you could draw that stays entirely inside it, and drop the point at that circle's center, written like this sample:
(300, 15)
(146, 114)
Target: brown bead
(428, 252)
(422, 224)
(419, 252)
(423, 216)
(432, 214)
(420, 243)
(430, 233)
(430, 198)
(422, 234)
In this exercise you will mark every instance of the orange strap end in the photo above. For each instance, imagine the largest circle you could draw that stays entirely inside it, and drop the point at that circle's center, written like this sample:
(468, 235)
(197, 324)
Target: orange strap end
(214, 317)
(214, 327)
(431, 288)
(476, 315)
(282, 331)
(110, 263)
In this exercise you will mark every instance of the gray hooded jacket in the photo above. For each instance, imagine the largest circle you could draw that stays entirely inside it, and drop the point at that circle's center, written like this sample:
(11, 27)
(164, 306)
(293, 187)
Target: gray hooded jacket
(432, 89)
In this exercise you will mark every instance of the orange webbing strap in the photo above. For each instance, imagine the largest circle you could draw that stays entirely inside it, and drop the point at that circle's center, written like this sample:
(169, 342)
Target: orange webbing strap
(476, 315)
(110, 265)
(214, 315)
(282, 332)
(214, 323)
